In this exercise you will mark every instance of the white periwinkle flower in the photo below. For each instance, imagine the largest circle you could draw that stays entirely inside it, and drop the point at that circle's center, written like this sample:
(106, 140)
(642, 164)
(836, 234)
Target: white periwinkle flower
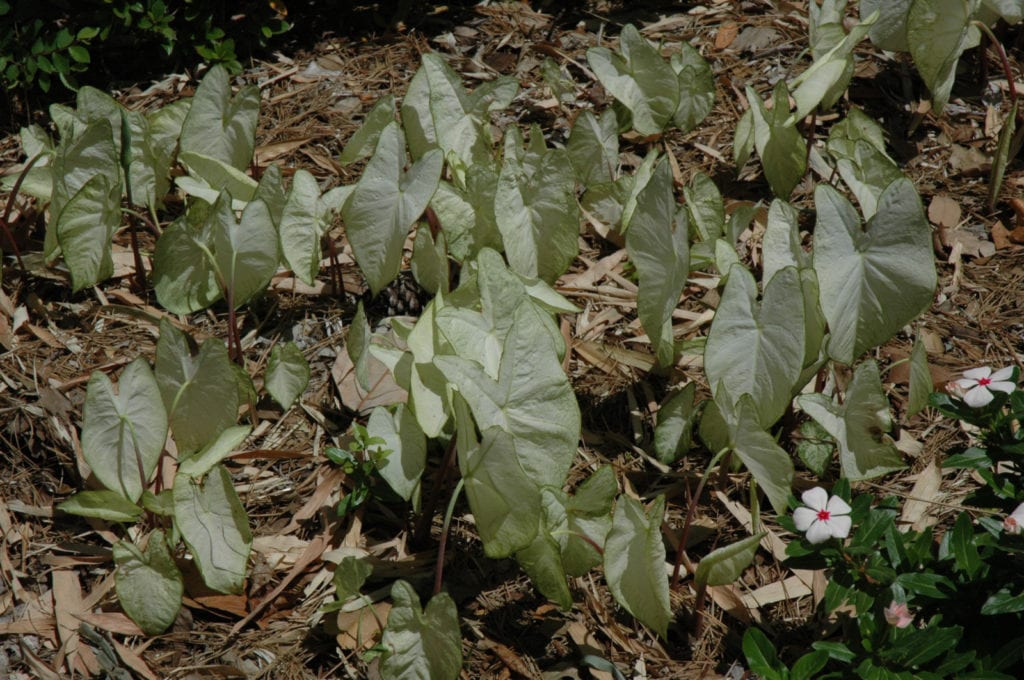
(1014, 522)
(976, 387)
(824, 517)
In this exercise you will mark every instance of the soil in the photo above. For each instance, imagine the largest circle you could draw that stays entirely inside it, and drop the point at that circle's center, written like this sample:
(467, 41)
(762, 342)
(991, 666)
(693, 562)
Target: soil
(57, 570)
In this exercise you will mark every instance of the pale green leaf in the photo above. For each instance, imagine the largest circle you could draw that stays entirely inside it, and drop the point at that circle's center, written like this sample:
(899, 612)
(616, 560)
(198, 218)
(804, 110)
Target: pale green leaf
(422, 644)
(184, 269)
(199, 392)
(245, 251)
(826, 80)
(593, 148)
(213, 523)
(357, 344)
(467, 213)
(362, 143)
(634, 562)
(724, 565)
(430, 261)
(938, 31)
(640, 79)
(704, 205)
(696, 87)
(859, 425)
(202, 461)
(386, 202)
(123, 433)
(287, 374)
(780, 145)
(635, 184)
(659, 248)
(148, 583)
(85, 231)
(302, 227)
(872, 281)
(102, 504)
(890, 31)
(349, 577)
(780, 245)
(219, 124)
(676, 416)
(542, 562)
(403, 467)
(164, 130)
(159, 504)
(920, 378)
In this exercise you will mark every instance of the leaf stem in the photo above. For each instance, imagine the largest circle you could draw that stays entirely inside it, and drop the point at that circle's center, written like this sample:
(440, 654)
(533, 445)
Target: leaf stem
(10, 206)
(690, 512)
(439, 567)
(422, 528)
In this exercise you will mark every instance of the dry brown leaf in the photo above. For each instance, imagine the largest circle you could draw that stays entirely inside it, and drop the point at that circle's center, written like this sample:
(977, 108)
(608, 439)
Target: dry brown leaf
(790, 589)
(969, 161)
(268, 152)
(944, 212)
(728, 597)
(361, 629)
(383, 391)
(726, 34)
(1001, 236)
(68, 607)
(922, 499)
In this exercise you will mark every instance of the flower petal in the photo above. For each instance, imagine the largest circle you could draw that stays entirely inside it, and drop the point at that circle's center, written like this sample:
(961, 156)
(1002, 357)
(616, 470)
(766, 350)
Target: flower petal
(978, 373)
(978, 397)
(1002, 374)
(1002, 386)
(816, 498)
(819, 532)
(964, 383)
(1018, 514)
(803, 518)
(837, 506)
(839, 526)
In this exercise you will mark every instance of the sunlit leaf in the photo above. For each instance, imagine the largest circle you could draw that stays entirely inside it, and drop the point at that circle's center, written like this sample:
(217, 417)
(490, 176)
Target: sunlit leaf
(362, 143)
(222, 125)
(85, 231)
(696, 87)
(422, 644)
(938, 31)
(593, 148)
(920, 378)
(102, 504)
(403, 467)
(302, 227)
(634, 562)
(148, 583)
(724, 565)
(287, 374)
(225, 443)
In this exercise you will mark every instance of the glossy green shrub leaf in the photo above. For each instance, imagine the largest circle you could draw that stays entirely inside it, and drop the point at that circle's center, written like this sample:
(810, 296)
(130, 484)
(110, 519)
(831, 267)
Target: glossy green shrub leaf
(872, 281)
(386, 202)
(123, 433)
(535, 207)
(199, 392)
(938, 32)
(403, 467)
(659, 247)
(221, 125)
(213, 523)
(225, 443)
(634, 562)
(676, 417)
(102, 504)
(724, 565)
(531, 399)
(640, 79)
(85, 231)
(364, 140)
(148, 583)
(858, 425)
(287, 374)
(696, 87)
(593, 148)
(422, 643)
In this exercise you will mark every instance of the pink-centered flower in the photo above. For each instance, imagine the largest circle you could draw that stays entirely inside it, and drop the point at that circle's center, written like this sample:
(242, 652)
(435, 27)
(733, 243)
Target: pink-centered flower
(977, 385)
(824, 517)
(1014, 522)
(898, 614)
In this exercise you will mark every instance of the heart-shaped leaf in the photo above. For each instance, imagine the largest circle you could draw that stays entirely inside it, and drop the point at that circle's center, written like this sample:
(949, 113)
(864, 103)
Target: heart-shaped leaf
(593, 148)
(215, 528)
(859, 425)
(890, 31)
(148, 583)
(421, 643)
(245, 251)
(85, 230)
(696, 87)
(676, 417)
(102, 504)
(199, 392)
(221, 125)
(758, 349)
(184, 270)
(303, 224)
(640, 79)
(780, 145)
(872, 281)
(287, 374)
(659, 248)
(634, 562)
(466, 212)
(403, 467)
(938, 32)
(124, 432)
(386, 202)
(202, 461)
(724, 565)
(362, 143)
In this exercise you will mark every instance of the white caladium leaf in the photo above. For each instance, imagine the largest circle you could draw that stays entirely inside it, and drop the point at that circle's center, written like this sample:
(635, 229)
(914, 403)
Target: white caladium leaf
(85, 231)
(593, 148)
(466, 212)
(504, 500)
(219, 124)
(225, 443)
(696, 87)
(199, 392)
(938, 32)
(780, 145)
(780, 245)
(218, 176)
(184, 270)
(734, 425)
(873, 280)
(634, 562)
(704, 205)
(213, 523)
(429, 262)
(586, 513)
(123, 433)
(245, 251)
(531, 399)
(102, 504)
(164, 130)
(421, 643)
(271, 191)
(859, 425)
(676, 417)
(890, 31)
(287, 373)
(758, 349)
(305, 218)
(364, 140)
(640, 79)
(659, 247)
(148, 583)
(826, 80)
(403, 467)
(385, 204)
(724, 565)
(857, 144)
(535, 206)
